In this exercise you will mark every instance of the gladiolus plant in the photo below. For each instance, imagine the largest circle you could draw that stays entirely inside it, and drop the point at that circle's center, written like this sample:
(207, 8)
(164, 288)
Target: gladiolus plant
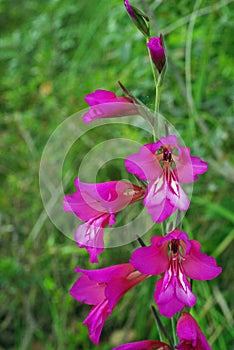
(162, 169)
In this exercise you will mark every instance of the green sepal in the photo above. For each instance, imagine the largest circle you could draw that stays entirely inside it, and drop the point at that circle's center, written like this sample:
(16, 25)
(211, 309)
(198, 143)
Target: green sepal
(141, 21)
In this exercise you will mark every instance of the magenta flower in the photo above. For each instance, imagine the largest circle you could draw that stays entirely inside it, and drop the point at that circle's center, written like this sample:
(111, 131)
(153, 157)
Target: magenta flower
(97, 204)
(184, 259)
(144, 345)
(157, 53)
(165, 164)
(190, 334)
(103, 288)
(105, 104)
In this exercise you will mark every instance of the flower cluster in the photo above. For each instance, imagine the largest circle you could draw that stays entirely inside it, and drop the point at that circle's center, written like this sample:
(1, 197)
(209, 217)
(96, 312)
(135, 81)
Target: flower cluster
(104, 287)
(163, 168)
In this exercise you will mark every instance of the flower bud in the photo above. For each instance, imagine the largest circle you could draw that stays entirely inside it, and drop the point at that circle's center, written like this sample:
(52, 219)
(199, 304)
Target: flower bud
(139, 18)
(129, 8)
(157, 53)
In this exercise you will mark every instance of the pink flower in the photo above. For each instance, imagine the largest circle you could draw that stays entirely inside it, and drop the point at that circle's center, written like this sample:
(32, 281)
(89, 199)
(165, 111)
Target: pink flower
(103, 288)
(185, 259)
(190, 334)
(144, 345)
(157, 53)
(97, 204)
(165, 164)
(105, 104)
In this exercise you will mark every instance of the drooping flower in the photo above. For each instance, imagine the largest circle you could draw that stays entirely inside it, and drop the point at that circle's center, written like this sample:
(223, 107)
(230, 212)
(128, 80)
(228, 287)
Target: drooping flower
(159, 164)
(105, 104)
(157, 52)
(190, 334)
(97, 204)
(144, 345)
(103, 288)
(173, 290)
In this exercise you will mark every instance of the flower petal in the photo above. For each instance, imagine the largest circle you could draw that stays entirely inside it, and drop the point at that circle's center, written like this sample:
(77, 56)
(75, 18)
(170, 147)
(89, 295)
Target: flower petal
(143, 345)
(104, 287)
(157, 53)
(90, 236)
(151, 260)
(164, 196)
(143, 164)
(158, 205)
(84, 207)
(117, 108)
(105, 104)
(87, 202)
(99, 96)
(199, 166)
(190, 334)
(88, 291)
(200, 266)
(96, 319)
(172, 294)
(170, 142)
(188, 167)
(106, 274)
(112, 195)
(168, 305)
(118, 286)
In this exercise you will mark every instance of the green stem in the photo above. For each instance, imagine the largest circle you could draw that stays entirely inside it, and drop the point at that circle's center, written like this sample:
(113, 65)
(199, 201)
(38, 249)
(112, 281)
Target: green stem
(163, 228)
(155, 123)
(140, 240)
(157, 100)
(161, 328)
(158, 79)
(158, 91)
(157, 324)
(173, 330)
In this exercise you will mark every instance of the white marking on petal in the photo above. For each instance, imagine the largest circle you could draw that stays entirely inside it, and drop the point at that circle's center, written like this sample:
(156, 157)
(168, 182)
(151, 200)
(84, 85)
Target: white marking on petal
(158, 185)
(181, 279)
(174, 186)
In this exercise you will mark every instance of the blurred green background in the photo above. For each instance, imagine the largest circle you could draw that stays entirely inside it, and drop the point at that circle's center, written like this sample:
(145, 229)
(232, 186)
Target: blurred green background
(52, 54)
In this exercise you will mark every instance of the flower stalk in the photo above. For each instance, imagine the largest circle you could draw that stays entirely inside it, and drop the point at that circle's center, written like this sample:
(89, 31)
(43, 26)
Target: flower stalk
(161, 327)
(158, 66)
(161, 167)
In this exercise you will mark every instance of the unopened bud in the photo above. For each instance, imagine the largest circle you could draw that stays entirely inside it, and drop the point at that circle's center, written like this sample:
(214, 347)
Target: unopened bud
(157, 52)
(139, 18)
